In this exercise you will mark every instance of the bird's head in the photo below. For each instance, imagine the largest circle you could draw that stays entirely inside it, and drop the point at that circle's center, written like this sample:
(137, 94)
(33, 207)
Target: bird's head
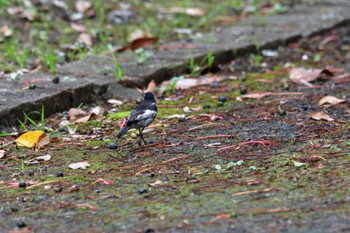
(149, 96)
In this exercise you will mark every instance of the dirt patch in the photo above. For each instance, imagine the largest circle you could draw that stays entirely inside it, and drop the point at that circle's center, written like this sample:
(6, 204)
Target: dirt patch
(284, 171)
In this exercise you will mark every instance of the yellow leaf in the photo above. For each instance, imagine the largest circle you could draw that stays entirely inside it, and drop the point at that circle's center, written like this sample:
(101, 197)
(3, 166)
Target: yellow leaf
(30, 139)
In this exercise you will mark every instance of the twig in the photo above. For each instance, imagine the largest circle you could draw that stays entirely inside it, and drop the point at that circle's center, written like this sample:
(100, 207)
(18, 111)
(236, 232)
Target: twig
(147, 169)
(177, 158)
(205, 125)
(214, 136)
(43, 183)
(86, 206)
(257, 191)
(264, 143)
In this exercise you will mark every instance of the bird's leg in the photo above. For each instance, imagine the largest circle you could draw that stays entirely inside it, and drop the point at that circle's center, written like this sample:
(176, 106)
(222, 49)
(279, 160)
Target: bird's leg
(141, 137)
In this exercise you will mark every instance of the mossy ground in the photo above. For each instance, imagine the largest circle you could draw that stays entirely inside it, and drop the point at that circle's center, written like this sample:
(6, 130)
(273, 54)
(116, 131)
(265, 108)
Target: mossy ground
(181, 183)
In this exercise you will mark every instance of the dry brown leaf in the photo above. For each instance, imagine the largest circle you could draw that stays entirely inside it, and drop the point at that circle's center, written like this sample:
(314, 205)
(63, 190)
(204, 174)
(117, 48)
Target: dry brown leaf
(330, 100)
(6, 31)
(305, 76)
(82, 6)
(193, 82)
(82, 165)
(143, 42)
(85, 39)
(321, 116)
(151, 87)
(85, 118)
(2, 153)
(43, 141)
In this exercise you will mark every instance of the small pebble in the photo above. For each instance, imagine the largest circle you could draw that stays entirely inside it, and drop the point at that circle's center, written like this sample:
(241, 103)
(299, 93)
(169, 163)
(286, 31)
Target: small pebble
(220, 104)
(21, 224)
(22, 184)
(156, 151)
(205, 106)
(47, 187)
(216, 84)
(282, 112)
(304, 107)
(143, 190)
(32, 86)
(243, 90)
(149, 230)
(56, 80)
(243, 78)
(222, 99)
(113, 146)
(59, 174)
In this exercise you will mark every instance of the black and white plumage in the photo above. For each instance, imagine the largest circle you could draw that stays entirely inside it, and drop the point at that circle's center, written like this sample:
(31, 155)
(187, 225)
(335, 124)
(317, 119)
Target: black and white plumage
(141, 116)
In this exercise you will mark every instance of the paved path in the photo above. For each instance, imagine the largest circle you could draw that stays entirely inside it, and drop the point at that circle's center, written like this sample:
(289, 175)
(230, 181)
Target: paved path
(84, 80)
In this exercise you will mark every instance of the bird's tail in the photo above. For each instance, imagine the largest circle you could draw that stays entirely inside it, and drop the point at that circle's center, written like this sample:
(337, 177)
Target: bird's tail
(122, 132)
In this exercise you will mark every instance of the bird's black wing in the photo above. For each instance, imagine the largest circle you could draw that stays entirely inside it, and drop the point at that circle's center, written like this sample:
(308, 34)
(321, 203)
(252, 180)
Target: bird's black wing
(143, 111)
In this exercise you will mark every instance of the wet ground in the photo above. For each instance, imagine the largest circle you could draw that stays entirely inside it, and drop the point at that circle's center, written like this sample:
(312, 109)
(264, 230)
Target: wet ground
(284, 171)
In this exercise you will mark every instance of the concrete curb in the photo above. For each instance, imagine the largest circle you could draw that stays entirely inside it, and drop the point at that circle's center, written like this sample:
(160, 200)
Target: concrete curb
(82, 81)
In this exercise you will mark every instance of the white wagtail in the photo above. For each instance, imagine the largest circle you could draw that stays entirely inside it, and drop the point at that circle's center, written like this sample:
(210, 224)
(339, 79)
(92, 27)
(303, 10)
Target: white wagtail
(141, 116)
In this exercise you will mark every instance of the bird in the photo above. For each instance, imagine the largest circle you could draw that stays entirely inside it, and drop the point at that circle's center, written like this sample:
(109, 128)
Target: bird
(141, 116)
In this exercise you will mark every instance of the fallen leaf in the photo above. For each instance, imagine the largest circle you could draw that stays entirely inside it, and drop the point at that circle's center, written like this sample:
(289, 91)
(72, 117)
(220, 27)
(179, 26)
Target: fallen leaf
(305, 76)
(151, 87)
(85, 118)
(76, 111)
(298, 164)
(193, 82)
(97, 110)
(82, 165)
(321, 116)
(191, 11)
(320, 166)
(82, 6)
(330, 100)
(43, 141)
(44, 157)
(6, 31)
(2, 153)
(156, 183)
(143, 42)
(78, 27)
(85, 39)
(31, 139)
(115, 102)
